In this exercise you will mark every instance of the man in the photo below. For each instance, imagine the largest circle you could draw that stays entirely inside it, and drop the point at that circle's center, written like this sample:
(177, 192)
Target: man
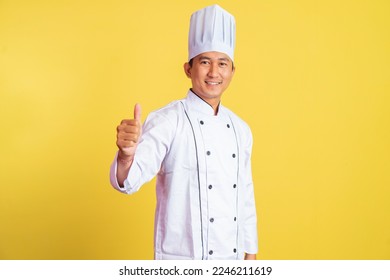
(200, 152)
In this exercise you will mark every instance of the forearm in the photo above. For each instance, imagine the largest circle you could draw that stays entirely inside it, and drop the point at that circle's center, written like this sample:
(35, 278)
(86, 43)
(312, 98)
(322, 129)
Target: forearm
(123, 166)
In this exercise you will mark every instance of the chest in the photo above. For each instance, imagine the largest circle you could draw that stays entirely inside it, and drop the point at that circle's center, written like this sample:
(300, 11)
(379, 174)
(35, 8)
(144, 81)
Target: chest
(218, 139)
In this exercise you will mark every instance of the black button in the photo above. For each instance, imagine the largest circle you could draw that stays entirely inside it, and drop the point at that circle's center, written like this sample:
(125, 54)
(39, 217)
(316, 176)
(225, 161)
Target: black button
(234, 186)
(228, 125)
(212, 220)
(208, 153)
(235, 218)
(210, 187)
(234, 250)
(201, 122)
(233, 155)
(211, 252)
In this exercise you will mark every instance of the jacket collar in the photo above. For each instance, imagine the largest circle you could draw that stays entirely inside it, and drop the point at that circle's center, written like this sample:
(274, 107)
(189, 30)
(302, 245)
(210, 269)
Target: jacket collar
(198, 104)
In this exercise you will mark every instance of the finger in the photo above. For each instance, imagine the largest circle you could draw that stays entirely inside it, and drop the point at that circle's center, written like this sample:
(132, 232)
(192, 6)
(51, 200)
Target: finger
(122, 144)
(129, 122)
(127, 136)
(130, 129)
(137, 112)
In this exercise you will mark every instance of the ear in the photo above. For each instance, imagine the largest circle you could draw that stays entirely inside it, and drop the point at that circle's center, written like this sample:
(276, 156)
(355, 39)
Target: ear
(187, 69)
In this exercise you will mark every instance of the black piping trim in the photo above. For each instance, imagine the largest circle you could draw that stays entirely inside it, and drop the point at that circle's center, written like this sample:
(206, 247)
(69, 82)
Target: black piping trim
(197, 167)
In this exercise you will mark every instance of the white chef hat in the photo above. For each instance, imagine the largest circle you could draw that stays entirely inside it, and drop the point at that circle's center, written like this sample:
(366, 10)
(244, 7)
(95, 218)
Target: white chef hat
(211, 29)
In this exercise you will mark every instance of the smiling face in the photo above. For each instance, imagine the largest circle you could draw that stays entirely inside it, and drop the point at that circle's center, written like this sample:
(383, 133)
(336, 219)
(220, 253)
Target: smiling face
(210, 73)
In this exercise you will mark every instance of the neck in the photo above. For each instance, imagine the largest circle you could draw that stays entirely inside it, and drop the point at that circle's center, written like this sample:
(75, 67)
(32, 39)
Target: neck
(214, 103)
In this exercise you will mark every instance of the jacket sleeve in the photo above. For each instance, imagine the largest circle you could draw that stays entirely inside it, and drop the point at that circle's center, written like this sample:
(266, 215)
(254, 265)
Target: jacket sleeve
(157, 134)
(250, 222)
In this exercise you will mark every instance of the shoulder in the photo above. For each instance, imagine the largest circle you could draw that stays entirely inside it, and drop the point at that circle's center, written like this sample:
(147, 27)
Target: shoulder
(171, 110)
(169, 114)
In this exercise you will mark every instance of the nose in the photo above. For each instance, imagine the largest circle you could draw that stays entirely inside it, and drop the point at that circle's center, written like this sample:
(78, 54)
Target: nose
(213, 70)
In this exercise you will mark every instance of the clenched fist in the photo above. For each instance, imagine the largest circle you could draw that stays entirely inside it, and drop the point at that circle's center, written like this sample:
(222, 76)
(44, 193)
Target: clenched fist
(128, 133)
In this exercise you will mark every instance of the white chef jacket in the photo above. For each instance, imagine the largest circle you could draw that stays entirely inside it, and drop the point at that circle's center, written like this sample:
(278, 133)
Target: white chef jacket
(205, 200)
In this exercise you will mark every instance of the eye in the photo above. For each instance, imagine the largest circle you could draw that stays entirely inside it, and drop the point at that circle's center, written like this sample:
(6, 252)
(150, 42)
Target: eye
(204, 62)
(223, 64)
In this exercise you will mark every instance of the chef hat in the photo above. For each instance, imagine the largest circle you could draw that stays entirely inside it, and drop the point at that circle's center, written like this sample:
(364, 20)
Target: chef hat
(211, 29)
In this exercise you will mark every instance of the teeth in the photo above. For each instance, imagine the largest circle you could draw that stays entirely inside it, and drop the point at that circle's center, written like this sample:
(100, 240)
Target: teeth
(213, 83)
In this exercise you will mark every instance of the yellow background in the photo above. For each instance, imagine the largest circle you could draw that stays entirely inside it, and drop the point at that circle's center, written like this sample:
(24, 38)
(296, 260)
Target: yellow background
(312, 81)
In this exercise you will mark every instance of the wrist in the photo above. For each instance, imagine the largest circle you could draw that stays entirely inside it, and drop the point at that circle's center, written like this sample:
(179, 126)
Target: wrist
(124, 159)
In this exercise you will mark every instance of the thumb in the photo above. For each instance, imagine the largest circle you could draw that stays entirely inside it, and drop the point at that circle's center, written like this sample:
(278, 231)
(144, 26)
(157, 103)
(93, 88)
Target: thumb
(137, 112)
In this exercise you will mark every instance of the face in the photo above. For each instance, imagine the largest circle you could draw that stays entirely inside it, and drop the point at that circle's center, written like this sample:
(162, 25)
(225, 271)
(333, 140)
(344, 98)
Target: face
(210, 73)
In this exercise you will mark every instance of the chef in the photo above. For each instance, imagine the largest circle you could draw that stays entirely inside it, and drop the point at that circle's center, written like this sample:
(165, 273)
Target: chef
(201, 154)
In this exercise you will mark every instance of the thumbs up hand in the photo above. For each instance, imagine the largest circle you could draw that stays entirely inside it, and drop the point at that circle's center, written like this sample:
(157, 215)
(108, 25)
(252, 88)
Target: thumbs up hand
(128, 133)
